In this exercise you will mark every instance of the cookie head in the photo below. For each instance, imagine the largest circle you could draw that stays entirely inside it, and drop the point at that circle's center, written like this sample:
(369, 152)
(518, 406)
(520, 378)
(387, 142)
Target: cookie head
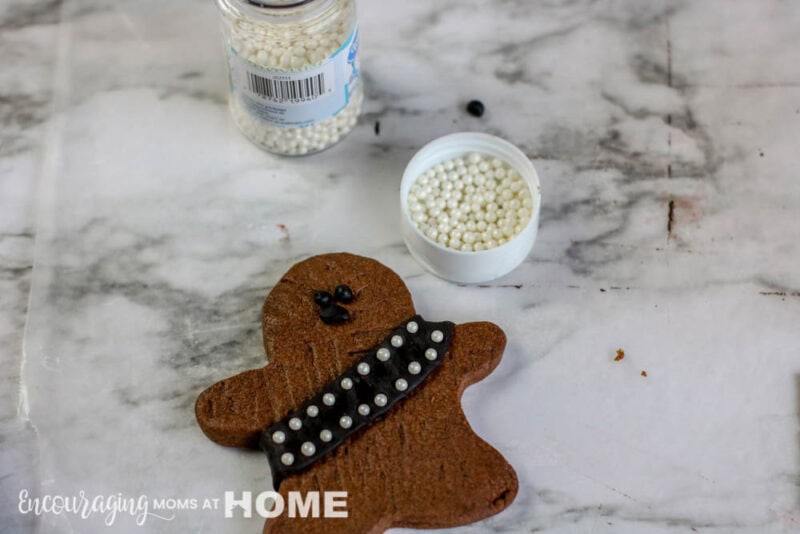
(342, 297)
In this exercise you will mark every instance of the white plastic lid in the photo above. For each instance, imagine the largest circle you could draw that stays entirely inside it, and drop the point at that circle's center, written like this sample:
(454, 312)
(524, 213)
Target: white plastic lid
(456, 265)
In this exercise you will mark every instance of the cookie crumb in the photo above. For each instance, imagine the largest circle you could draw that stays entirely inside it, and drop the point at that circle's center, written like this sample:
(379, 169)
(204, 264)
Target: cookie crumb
(285, 231)
(620, 355)
(644, 374)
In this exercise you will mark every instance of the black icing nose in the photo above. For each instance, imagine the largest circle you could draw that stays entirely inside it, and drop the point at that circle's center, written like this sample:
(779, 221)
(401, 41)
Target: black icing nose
(334, 314)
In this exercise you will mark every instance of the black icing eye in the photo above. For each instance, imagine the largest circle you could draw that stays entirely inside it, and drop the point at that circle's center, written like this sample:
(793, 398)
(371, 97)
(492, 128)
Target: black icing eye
(343, 293)
(323, 298)
(334, 314)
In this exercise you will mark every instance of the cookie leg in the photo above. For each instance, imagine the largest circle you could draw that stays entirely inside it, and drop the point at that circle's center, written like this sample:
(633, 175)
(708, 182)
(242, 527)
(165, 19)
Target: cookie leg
(365, 500)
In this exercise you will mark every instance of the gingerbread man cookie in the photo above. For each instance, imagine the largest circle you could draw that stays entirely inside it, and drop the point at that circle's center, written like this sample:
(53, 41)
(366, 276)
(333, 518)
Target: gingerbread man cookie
(363, 395)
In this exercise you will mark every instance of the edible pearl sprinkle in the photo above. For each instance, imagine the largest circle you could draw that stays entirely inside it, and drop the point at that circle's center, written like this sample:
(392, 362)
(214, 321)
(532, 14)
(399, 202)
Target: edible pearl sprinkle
(287, 458)
(397, 341)
(363, 409)
(328, 399)
(414, 368)
(479, 205)
(412, 327)
(312, 411)
(326, 435)
(295, 423)
(401, 384)
(345, 421)
(308, 448)
(381, 400)
(363, 368)
(384, 354)
(292, 47)
(437, 336)
(278, 437)
(346, 383)
(431, 354)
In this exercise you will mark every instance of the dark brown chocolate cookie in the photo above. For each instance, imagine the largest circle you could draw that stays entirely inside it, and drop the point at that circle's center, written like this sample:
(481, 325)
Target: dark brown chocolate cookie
(419, 465)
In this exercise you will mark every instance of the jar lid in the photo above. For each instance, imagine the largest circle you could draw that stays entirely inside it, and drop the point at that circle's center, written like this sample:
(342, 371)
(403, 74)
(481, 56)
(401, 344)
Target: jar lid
(469, 267)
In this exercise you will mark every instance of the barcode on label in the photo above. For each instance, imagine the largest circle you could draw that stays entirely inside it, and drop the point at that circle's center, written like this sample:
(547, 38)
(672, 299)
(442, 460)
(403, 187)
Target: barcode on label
(302, 90)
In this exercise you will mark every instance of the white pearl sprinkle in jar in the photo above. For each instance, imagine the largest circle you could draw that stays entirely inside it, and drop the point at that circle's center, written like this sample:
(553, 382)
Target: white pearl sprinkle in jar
(470, 205)
(294, 79)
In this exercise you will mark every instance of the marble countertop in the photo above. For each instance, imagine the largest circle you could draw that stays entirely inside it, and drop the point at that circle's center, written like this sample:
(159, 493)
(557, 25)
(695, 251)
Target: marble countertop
(139, 234)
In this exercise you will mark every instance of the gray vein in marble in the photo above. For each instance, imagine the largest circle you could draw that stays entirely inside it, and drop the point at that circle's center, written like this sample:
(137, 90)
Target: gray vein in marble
(18, 114)
(18, 14)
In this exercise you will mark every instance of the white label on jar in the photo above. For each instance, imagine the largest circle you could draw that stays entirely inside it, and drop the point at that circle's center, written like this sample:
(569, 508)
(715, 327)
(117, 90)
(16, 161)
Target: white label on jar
(297, 98)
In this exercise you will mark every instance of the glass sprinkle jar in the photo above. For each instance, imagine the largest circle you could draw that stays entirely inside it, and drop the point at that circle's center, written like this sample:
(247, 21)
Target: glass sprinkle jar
(293, 71)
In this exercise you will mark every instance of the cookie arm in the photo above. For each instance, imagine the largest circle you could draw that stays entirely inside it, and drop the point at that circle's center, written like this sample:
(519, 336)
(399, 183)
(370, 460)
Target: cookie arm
(233, 412)
(476, 350)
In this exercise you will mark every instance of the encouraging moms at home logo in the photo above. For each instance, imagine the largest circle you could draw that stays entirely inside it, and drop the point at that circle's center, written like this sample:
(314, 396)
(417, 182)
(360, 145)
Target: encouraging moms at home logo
(267, 504)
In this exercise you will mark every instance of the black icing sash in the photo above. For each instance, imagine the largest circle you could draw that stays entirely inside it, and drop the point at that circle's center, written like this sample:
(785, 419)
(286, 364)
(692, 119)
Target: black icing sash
(379, 379)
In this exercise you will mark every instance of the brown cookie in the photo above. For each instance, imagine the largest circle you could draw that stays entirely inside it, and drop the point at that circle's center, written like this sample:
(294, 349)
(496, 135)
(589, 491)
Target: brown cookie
(419, 464)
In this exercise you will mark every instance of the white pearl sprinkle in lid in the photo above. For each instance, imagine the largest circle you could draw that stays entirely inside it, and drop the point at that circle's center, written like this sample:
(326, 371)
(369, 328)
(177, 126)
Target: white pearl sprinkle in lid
(503, 255)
